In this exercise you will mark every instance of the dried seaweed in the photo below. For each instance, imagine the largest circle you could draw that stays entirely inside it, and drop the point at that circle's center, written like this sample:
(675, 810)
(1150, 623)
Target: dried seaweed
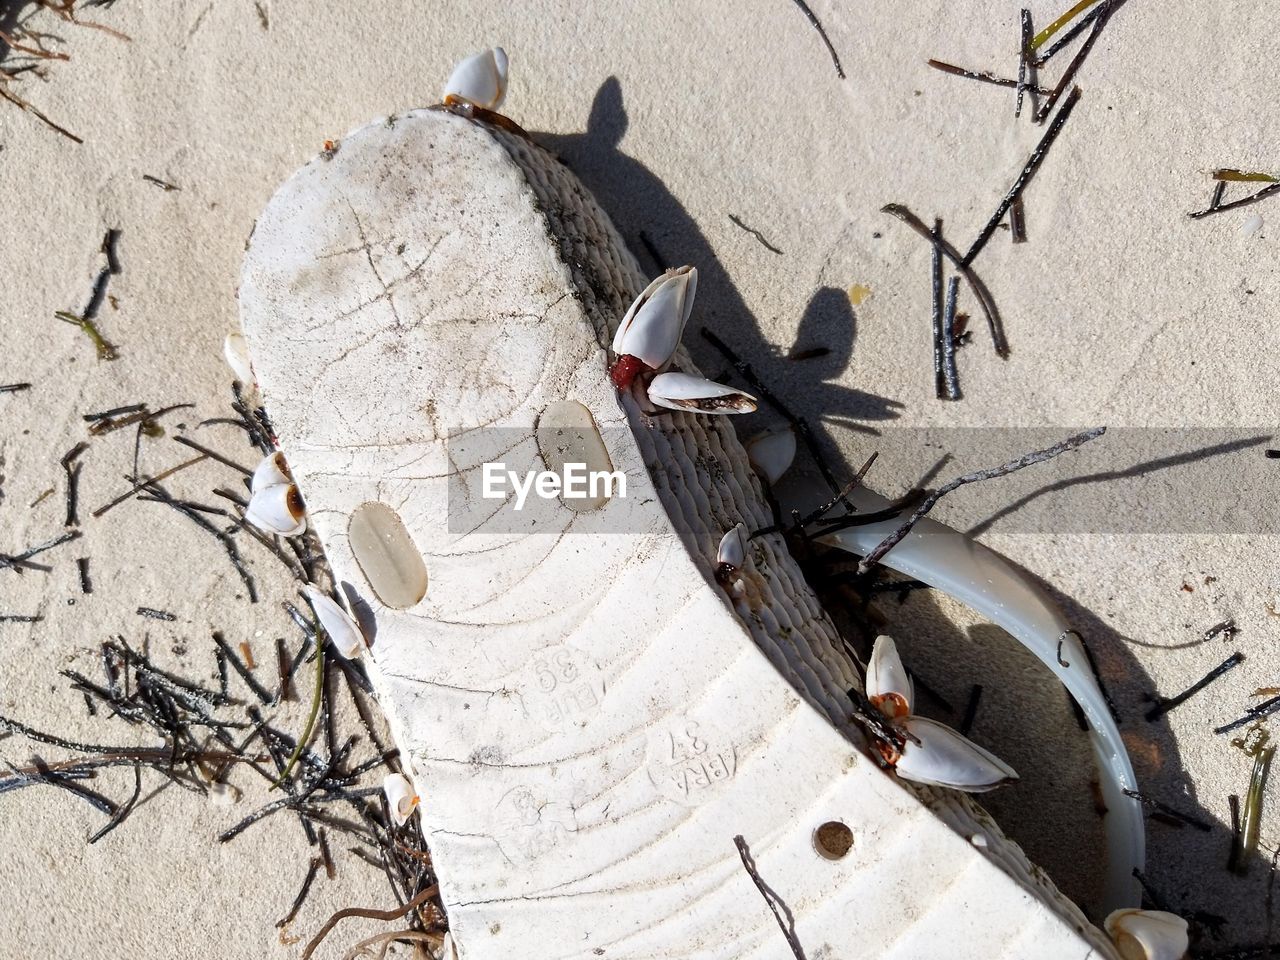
(106, 350)
(1047, 33)
(781, 912)
(1176, 815)
(817, 25)
(371, 914)
(979, 289)
(984, 76)
(1164, 705)
(1251, 715)
(1018, 463)
(950, 375)
(1027, 173)
(757, 234)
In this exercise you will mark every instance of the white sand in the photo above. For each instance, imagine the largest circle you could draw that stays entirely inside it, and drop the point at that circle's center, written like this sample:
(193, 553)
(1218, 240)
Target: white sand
(1120, 310)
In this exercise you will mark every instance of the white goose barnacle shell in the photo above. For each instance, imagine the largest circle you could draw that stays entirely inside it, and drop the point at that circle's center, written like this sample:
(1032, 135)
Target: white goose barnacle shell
(732, 551)
(651, 328)
(772, 452)
(347, 637)
(940, 757)
(277, 509)
(480, 79)
(888, 683)
(402, 800)
(683, 391)
(236, 353)
(1148, 934)
(272, 471)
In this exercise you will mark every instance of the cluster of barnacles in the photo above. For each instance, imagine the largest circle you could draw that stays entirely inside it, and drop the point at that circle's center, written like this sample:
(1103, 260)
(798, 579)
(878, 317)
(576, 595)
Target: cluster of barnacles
(276, 508)
(917, 748)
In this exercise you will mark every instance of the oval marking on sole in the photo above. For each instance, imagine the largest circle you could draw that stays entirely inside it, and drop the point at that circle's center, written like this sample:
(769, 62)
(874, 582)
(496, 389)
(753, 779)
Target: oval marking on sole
(387, 555)
(567, 433)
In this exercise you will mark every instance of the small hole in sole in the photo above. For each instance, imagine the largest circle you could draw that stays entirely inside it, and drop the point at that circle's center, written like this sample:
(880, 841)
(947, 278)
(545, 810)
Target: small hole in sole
(833, 840)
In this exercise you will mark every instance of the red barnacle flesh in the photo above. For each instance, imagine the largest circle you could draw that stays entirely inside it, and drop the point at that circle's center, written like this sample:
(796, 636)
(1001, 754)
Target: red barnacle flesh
(625, 370)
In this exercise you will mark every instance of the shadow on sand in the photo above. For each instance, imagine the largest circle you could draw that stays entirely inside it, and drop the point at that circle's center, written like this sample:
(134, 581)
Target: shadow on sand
(1037, 731)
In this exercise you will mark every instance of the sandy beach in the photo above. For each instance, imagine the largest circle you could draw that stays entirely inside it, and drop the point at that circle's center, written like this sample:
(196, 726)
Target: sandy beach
(717, 134)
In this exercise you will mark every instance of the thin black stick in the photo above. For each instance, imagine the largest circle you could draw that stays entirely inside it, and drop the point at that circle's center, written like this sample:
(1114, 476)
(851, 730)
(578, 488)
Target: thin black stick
(983, 76)
(14, 387)
(114, 412)
(800, 425)
(1024, 177)
(99, 293)
(86, 583)
(17, 561)
(817, 25)
(1097, 676)
(1068, 75)
(1264, 709)
(1169, 811)
(979, 289)
(228, 544)
(757, 234)
(844, 492)
(153, 614)
(1018, 463)
(241, 669)
(1233, 858)
(72, 471)
(787, 925)
(164, 185)
(950, 375)
(935, 283)
(1252, 198)
(1164, 705)
(213, 455)
(143, 416)
(1024, 61)
(302, 894)
(1078, 28)
(123, 811)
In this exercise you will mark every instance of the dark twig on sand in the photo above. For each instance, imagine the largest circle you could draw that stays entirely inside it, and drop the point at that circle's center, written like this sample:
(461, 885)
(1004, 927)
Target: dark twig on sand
(979, 289)
(1169, 811)
(817, 25)
(1018, 463)
(983, 76)
(1164, 705)
(369, 914)
(755, 233)
(1068, 75)
(781, 913)
(1025, 175)
(950, 375)
(935, 284)
(1251, 715)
